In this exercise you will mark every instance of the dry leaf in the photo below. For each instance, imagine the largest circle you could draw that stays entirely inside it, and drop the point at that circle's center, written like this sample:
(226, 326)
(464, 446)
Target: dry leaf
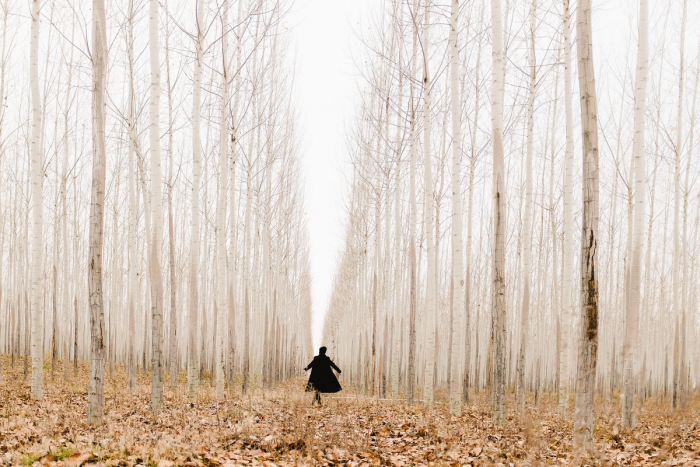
(77, 459)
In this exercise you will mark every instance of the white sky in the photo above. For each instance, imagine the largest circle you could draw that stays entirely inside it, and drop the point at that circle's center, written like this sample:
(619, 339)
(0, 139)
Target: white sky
(326, 87)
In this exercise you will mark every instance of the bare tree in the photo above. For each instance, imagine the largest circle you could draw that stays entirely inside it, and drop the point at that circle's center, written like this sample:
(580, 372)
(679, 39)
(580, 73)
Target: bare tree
(588, 347)
(498, 307)
(457, 264)
(37, 169)
(97, 346)
(634, 294)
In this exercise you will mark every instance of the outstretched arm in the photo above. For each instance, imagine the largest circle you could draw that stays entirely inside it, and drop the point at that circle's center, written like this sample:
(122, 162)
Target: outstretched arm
(335, 367)
(309, 365)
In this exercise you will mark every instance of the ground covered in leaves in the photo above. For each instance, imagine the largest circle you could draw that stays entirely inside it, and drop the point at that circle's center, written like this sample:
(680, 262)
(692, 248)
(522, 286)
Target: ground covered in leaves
(280, 427)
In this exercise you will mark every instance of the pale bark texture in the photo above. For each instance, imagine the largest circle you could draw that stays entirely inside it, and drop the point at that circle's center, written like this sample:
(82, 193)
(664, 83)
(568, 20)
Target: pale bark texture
(679, 314)
(37, 177)
(172, 341)
(193, 286)
(133, 208)
(429, 214)
(498, 290)
(567, 243)
(588, 345)
(527, 216)
(413, 222)
(457, 244)
(634, 294)
(97, 202)
(156, 274)
(221, 214)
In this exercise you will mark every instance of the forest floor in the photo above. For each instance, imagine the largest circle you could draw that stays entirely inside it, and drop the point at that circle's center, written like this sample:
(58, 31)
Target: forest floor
(280, 427)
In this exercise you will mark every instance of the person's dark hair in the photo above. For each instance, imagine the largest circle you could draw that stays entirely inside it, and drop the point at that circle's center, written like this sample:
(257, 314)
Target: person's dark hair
(322, 351)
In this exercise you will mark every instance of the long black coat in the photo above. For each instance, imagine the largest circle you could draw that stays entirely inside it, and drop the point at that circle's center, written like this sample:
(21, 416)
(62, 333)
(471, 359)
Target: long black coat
(322, 378)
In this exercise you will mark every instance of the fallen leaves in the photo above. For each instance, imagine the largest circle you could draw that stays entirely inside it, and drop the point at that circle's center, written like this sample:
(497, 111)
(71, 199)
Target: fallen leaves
(76, 460)
(279, 428)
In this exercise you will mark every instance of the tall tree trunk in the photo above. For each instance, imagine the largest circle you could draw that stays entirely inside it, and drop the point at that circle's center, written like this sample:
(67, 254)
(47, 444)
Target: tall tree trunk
(687, 279)
(527, 217)
(588, 347)
(174, 369)
(457, 244)
(634, 293)
(37, 177)
(470, 208)
(193, 286)
(156, 275)
(429, 212)
(412, 223)
(99, 164)
(221, 211)
(498, 303)
(133, 208)
(567, 244)
(678, 312)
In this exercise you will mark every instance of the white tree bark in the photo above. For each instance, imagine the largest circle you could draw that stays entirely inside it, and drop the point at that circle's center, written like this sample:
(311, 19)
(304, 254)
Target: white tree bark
(457, 243)
(687, 278)
(193, 287)
(498, 305)
(233, 213)
(37, 177)
(172, 341)
(634, 294)
(588, 346)
(133, 208)
(429, 215)
(567, 247)
(99, 108)
(221, 211)
(65, 299)
(467, 381)
(413, 223)
(527, 216)
(156, 274)
(677, 285)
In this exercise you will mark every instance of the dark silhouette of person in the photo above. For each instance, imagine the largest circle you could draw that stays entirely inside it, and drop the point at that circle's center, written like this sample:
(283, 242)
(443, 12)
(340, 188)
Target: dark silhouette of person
(322, 378)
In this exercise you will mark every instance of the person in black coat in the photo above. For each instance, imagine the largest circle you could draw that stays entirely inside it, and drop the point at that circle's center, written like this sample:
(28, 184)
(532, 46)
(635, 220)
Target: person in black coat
(322, 378)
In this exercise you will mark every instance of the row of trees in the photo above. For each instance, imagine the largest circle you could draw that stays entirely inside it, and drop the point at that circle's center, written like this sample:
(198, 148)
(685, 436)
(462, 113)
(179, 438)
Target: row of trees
(190, 222)
(490, 302)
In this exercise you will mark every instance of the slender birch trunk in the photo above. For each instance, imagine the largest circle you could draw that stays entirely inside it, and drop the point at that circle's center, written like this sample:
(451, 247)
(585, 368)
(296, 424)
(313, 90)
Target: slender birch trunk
(37, 167)
(634, 294)
(467, 381)
(99, 107)
(678, 312)
(687, 279)
(65, 299)
(193, 286)
(233, 213)
(429, 213)
(396, 350)
(413, 223)
(588, 347)
(133, 208)
(567, 244)
(498, 305)
(156, 275)
(172, 343)
(457, 244)
(527, 229)
(221, 211)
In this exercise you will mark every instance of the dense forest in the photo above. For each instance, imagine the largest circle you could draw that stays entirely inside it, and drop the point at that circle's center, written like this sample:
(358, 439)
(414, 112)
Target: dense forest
(517, 282)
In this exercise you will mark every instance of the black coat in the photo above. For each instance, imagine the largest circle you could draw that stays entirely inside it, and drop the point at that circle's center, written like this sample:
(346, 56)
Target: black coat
(322, 378)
